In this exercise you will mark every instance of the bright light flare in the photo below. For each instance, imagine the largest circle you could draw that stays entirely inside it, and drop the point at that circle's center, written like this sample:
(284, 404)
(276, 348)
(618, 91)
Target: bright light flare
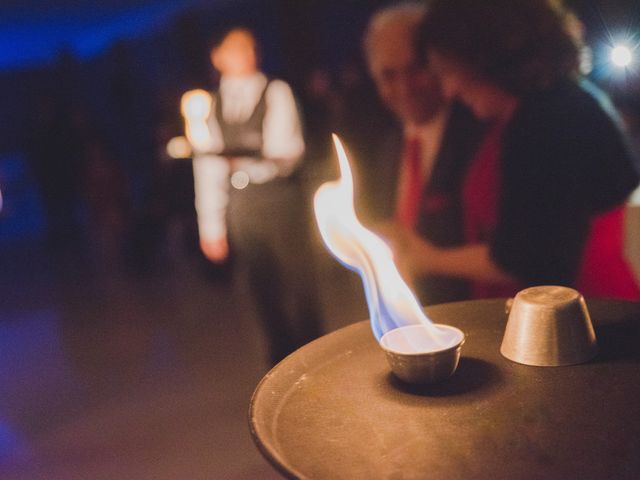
(621, 56)
(196, 104)
(196, 108)
(391, 303)
(179, 147)
(240, 180)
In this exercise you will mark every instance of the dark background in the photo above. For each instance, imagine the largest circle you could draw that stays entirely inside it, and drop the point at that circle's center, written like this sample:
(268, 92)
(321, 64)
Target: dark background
(118, 68)
(121, 358)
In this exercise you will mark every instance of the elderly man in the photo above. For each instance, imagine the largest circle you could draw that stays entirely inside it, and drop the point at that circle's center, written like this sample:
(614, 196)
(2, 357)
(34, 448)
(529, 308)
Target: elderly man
(416, 182)
(248, 142)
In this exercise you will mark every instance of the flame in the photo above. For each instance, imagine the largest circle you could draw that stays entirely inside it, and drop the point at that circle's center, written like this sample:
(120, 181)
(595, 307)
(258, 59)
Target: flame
(391, 302)
(195, 107)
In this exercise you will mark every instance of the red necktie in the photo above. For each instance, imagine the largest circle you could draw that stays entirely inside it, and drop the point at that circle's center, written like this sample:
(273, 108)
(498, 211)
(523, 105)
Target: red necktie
(409, 199)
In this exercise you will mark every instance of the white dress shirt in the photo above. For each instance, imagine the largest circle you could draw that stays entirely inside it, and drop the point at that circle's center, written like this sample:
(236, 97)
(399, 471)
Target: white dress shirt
(282, 147)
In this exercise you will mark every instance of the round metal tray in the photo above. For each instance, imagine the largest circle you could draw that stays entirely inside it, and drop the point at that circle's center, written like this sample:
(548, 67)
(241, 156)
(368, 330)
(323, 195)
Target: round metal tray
(333, 410)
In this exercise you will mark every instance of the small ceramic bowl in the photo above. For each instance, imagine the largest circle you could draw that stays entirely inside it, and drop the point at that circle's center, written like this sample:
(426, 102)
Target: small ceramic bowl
(423, 354)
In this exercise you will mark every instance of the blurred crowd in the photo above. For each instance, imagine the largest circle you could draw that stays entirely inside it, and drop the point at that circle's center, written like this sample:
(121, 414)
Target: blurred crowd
(102, 168)
(516, 155)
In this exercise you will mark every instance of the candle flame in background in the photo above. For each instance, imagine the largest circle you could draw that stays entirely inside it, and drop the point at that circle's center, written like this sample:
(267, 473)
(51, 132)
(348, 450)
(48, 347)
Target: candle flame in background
(179, 147)
(391, 302)
(195, 106)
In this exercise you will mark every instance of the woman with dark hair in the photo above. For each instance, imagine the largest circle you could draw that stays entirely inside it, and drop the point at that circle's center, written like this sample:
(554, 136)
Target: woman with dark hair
(554, 159)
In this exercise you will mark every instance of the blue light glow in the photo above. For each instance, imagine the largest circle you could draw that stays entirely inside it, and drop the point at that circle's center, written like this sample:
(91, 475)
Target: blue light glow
(28, 39)
(621, 56)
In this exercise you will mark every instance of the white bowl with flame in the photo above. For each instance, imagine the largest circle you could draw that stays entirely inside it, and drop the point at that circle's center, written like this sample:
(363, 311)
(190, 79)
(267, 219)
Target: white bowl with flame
(415, 357)
(418, 351)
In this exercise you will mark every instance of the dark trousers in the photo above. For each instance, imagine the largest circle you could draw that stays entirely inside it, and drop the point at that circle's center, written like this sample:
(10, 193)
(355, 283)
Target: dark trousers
(270, 238)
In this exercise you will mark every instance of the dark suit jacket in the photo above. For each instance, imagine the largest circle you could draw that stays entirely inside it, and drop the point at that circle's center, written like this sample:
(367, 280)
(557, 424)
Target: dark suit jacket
(440, 215)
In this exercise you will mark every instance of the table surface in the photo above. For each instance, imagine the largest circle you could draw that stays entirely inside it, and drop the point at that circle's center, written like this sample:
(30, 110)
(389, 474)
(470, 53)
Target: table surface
(333, 410)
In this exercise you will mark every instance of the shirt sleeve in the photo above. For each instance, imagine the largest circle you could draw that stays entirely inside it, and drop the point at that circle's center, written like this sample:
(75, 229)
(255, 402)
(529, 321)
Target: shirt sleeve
(283, 141)
(215, 143)
(204, 135)
(210, 176)
(211, 185)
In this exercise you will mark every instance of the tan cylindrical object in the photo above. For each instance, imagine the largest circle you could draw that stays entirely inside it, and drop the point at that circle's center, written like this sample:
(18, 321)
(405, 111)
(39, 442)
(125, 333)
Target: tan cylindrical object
(549, 326)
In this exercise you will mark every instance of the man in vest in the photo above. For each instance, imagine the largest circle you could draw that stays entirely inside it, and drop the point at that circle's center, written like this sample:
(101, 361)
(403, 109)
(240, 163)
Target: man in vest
(247, 141)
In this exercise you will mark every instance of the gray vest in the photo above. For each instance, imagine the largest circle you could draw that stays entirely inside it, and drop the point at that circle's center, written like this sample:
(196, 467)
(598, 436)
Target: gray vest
(243, 139)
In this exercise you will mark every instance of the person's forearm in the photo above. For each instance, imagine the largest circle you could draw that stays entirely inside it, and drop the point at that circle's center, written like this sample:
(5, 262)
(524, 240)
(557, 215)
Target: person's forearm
(211, 185)
(472, 262)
